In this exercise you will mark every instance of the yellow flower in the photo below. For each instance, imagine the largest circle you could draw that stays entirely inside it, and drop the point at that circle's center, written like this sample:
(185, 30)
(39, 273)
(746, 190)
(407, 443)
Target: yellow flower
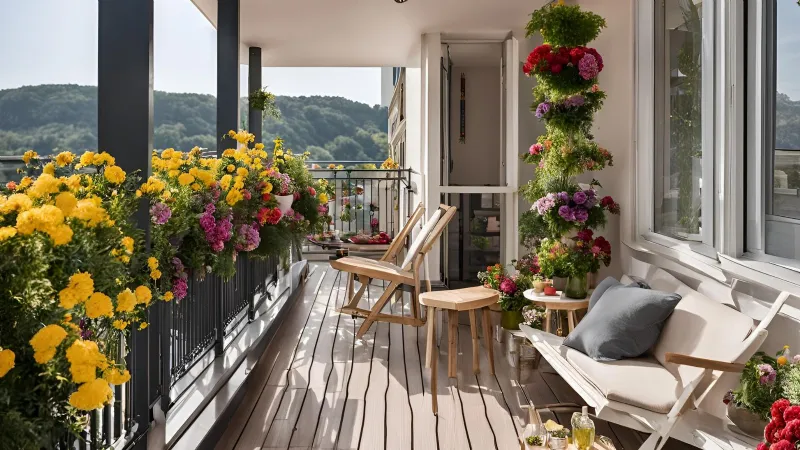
(128, 243)
(267, 188)
(84, 357)
(323, 198)
(168, 153)
(155, 274)
(86, 158)
(79, 288)
(73, 182)
(185, 179)
(103, 158)
(117, 377)
(64, 158)
(782, 360)
(46, 184)
(61, 235)
(195, 186)
(168, 296)
(225, 181)
(143, 294)
(44, 218)
(114, 174)
(16, 202)
(152, 263)
(28, 156)
(92, 395)
(126, 301)
(45, 342)
(66, 202)
(121, 325)
(6, 361)
(99, 305)
(24, 182)
(138, 193)
(173, 173)
(242, 172)
(49, 169)
(90, 211)
(7, 233)
(142, 326)
(230, 168)
(233, 197)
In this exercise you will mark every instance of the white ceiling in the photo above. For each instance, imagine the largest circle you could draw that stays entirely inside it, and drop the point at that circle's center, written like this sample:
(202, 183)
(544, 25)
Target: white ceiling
(369, 33)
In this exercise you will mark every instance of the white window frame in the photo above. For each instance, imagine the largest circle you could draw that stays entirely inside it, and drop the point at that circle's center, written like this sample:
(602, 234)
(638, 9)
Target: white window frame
(646, 126)
(739, 170)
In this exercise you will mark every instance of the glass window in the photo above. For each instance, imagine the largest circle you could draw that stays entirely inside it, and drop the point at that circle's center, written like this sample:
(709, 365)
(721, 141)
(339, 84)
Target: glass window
(782, 230)
(683, 203)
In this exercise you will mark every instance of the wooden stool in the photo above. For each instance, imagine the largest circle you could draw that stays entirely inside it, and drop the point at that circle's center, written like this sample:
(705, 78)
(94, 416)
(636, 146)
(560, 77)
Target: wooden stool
(471, 300)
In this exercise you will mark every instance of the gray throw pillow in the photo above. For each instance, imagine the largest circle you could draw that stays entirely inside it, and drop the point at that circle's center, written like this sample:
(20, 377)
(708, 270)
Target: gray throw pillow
(639, 281)
(625, 322)
(601, 289)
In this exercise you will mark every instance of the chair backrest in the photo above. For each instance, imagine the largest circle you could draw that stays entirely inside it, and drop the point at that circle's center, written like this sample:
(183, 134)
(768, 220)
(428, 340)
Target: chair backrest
(421, 238)
(430, 237)
(400, 239)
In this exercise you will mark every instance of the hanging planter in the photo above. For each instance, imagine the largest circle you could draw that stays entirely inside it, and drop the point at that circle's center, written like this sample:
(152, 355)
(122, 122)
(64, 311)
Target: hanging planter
(264, 101)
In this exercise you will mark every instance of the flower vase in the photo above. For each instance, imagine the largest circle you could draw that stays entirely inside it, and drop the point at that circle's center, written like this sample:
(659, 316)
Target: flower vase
(285, 202)
(510, 320)
(577, 286)
(559, 283)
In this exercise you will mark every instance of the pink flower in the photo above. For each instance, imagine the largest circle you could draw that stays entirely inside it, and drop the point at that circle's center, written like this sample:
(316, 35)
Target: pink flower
(783, 444)
(535, 149)
(246, 194)
(595, 88)
(312, 191)
(508, 286)
(588, 67)
(791, 413)
(778, 408)
(179, 288)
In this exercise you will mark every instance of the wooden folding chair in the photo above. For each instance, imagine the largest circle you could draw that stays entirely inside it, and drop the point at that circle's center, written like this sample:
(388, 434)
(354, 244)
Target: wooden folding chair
(407, 273)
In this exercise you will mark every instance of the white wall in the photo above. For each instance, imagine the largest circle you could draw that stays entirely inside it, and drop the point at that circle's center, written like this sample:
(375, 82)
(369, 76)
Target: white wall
(476, 162)
(387, 86)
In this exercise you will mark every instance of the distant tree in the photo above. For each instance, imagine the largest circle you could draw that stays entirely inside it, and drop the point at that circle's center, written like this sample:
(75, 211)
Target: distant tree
(344, 148)
(319, 153)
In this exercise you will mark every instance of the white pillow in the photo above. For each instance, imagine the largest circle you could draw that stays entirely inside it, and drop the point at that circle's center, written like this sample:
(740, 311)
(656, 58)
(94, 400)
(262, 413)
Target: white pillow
(416, 245)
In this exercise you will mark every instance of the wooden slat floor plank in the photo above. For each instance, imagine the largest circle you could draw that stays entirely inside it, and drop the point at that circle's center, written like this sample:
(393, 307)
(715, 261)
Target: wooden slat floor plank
(317, 387)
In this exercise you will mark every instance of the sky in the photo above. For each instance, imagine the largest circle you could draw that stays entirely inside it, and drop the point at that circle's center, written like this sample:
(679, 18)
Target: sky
(60, 46)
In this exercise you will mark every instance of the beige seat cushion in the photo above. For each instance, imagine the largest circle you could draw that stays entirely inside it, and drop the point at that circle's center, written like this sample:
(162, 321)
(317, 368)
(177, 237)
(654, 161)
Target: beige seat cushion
(461, 299)
(640, 382)
(379, 270)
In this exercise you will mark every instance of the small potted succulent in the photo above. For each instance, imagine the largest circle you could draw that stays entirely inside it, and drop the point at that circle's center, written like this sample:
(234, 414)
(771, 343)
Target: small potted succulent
(559, 439)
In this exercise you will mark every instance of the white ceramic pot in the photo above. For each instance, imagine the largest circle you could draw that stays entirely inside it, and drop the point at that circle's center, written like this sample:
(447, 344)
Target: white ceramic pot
(285, 202)
(747, 422)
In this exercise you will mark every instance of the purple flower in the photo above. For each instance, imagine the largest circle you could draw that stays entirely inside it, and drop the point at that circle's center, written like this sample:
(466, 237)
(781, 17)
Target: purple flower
(580, 214)
(574, 101)
(160, 213)
(542, 109)
(248, 238)
(179, 288)
(545, 204)
(768, 374)
(508, 286)
(566, 213)
(563, 197)
(579, 197)
(588, 67)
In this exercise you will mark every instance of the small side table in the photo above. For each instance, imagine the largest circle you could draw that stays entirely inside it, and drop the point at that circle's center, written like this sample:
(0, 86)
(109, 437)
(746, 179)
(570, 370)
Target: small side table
(558, 303)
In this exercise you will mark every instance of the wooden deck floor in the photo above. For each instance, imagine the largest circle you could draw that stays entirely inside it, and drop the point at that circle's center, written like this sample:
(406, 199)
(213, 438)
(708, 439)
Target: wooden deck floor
(318, 387)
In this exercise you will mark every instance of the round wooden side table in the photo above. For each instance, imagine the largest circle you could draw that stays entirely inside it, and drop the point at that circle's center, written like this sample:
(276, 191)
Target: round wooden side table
(558, 303)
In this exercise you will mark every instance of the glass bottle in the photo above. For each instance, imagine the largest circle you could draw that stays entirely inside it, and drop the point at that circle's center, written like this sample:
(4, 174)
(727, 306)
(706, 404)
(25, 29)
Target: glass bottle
(582, 430)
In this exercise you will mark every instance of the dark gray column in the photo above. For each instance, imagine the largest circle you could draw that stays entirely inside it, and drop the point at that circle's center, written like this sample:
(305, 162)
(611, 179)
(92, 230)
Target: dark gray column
(125, 129)
(254, 116)
(227, 72)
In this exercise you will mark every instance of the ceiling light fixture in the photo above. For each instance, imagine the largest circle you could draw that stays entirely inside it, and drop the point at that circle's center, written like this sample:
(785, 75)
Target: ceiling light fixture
(403, 1)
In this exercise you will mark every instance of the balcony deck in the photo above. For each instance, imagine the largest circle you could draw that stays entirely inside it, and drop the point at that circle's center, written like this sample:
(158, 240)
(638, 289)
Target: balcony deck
(317, 387)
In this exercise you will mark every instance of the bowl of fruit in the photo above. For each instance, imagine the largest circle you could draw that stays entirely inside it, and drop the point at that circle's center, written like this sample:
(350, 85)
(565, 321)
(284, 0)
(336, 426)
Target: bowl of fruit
(370, 239)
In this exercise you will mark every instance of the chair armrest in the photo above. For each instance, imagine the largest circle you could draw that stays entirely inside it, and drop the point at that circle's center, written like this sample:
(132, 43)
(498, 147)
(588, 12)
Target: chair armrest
(686, 360)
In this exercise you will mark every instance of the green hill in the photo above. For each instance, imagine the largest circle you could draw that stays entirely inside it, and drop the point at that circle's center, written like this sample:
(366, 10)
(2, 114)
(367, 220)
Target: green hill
(49, 118)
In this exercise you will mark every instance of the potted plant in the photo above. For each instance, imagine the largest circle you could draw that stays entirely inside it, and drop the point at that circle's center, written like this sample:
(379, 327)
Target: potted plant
(511, 290)
(559, 439)
(576, 257)
(263, 100)
(764, 380)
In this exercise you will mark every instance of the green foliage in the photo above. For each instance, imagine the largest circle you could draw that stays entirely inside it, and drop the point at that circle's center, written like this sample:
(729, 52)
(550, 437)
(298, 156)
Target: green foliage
(51, 118)
(752, 395)
(565, 26)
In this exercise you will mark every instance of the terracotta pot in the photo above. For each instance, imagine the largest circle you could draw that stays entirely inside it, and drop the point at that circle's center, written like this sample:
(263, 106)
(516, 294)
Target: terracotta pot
(747, 422)
(285, 202)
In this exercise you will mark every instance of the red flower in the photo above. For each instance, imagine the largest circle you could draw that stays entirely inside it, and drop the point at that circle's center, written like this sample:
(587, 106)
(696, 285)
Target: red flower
(527, 68)
(556, 68)
(792, 431)
(312, 191)
(782, 445)
(778, 408)
(246, 194)
(603, 244)
(269, 215)
(762, 446)
(597, 56)
(265, 197)
(576, 54)
(585, 234)
(11, 185)
(772, 432)
(791, 413)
